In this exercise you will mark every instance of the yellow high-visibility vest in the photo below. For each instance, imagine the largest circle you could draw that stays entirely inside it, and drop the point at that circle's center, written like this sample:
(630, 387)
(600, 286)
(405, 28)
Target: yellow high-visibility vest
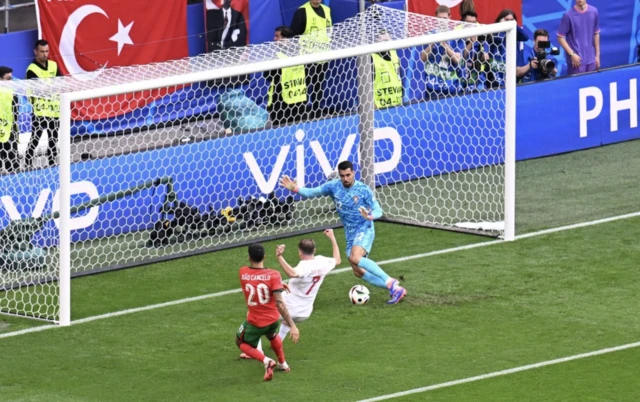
(386, 82)
(315, 37)
(45, 107)
(6, 114)
(293, 87)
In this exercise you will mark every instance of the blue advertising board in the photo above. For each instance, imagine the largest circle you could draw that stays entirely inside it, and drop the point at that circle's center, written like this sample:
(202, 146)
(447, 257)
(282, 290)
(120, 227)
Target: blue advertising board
(413, 141)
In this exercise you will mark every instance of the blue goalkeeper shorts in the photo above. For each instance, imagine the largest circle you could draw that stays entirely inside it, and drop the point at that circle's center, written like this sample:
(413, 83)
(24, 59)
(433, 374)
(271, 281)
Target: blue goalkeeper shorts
(362, 237)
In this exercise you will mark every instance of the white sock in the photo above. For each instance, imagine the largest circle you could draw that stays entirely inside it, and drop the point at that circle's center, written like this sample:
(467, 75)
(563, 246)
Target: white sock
(266, 360)
(260, 345)
(284, 330)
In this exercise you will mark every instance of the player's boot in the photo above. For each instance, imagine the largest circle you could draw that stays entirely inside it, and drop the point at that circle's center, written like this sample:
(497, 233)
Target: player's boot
(284, 367)
(268, 370)
(245, 356)
(392, 288)
(398, 295)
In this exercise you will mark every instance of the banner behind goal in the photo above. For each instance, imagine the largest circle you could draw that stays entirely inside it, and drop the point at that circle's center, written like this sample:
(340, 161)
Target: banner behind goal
(424, 107)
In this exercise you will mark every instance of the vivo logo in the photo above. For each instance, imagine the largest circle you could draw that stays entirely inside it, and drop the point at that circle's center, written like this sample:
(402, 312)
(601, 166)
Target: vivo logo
(82, 187)
(615, 106)
(268, 184)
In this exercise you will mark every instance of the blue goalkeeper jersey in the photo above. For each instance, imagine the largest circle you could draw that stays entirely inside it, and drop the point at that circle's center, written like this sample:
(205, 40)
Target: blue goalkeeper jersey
(348, 201)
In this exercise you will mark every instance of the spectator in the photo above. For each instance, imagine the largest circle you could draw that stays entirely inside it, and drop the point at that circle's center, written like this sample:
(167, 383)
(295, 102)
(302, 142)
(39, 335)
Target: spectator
(313, 21)
(8, 124)
(467, 6)
(541, 65)
(387, 84)
(474, 56)
(287, 87)
(441, 64)
(579, 36)
(498, 51)
(226, 27)
(46, 112)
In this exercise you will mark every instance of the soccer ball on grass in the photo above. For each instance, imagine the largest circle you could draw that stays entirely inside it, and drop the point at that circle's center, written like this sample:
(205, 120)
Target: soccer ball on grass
(359, 295)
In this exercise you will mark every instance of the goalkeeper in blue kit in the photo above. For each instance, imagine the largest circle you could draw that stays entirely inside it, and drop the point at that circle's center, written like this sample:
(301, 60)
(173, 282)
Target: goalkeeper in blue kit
(357, 208)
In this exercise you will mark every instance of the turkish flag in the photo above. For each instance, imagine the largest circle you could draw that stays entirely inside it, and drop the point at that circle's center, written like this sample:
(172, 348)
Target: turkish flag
(86, 36)
(487, 10)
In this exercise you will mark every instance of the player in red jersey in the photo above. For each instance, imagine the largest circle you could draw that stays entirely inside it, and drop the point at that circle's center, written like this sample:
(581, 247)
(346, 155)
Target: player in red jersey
(262, 288)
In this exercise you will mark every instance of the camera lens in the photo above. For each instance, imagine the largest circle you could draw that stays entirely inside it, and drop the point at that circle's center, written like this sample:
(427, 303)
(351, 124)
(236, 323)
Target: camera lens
(547, 65)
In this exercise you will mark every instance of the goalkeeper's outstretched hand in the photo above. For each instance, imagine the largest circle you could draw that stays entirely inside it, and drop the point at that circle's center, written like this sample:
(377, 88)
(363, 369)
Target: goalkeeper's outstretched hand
(289, 184)
(366, 214)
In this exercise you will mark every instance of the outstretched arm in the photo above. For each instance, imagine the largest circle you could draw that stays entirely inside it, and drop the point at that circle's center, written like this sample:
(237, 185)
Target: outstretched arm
(334, 245)
(288, 269)
(289, 184)
(282, 309)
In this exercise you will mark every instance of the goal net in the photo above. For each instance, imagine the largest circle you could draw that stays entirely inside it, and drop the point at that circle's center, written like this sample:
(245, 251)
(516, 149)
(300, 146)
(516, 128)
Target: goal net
(166, 160)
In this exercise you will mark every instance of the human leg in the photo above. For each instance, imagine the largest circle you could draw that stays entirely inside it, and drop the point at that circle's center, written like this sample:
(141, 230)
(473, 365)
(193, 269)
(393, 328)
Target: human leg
(53, 126)
(358, 255)
(37, 126)
(247, 338)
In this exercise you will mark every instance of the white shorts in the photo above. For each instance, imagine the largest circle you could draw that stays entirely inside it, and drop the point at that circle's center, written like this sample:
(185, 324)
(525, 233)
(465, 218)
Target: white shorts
(299, 308)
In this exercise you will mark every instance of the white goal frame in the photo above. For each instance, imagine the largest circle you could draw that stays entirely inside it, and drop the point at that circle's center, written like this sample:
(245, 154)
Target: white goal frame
(66, 99)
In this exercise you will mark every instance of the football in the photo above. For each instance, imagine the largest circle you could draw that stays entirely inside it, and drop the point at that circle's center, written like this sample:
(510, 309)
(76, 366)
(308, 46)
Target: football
(359, 295)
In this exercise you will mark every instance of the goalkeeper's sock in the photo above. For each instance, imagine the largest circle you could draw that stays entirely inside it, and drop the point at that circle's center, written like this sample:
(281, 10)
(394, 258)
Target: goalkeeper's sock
(284, 330)
(373, 268)
(374, 280)
(276, 345)
(252, 352)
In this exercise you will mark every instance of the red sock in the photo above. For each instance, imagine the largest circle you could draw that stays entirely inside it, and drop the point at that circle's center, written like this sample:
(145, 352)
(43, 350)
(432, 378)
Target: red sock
(276, 345)
(253, 352)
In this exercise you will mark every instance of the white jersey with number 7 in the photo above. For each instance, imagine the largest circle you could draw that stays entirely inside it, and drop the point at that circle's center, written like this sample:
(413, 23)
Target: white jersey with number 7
(304, 289)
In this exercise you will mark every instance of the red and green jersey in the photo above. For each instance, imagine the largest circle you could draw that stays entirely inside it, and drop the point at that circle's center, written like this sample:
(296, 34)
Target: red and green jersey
(259, 286)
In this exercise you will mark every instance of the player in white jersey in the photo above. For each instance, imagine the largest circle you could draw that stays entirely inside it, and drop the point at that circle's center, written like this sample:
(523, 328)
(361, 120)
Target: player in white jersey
(306, 279)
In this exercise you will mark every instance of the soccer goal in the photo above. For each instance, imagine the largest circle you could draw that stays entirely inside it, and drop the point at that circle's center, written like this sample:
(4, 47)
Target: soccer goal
(178, 158)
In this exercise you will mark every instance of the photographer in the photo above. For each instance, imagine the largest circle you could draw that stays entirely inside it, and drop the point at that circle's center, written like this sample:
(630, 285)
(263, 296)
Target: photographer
(542, 64)
(474, 52)
(441, 63)
(498, 51)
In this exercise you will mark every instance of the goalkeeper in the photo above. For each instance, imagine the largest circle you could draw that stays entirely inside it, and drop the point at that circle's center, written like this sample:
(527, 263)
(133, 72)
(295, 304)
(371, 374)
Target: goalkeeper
(357, 208)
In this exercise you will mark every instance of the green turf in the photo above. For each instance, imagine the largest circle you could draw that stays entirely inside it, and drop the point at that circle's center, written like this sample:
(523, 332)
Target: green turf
(606, 378)
(468, 313)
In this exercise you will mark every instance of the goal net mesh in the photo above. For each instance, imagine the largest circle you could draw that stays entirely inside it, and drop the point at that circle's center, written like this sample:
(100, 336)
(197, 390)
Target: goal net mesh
(169, 171)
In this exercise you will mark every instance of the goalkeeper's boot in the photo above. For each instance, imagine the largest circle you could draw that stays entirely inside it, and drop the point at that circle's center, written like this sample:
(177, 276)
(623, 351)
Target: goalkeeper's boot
(398, 295)
(245, 356)
(284, 367)
(268, 370)
(392, 285)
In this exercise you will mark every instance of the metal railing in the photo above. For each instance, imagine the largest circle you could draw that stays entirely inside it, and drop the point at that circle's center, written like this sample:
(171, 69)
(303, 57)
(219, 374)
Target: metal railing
(8, 7)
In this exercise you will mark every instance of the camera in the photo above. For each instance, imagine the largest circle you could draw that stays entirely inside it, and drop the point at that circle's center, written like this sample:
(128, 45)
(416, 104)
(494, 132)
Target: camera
(545, 49)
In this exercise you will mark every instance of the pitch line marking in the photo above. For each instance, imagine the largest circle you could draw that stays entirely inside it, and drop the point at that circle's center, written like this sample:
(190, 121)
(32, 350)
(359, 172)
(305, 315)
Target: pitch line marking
(335, 271)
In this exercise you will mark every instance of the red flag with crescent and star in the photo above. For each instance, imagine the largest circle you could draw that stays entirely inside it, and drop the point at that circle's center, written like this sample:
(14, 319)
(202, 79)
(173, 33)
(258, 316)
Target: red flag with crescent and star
(87, 36)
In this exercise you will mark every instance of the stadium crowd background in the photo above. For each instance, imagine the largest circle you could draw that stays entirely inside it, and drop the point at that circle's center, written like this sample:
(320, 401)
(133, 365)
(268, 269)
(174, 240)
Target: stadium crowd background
(480, 72)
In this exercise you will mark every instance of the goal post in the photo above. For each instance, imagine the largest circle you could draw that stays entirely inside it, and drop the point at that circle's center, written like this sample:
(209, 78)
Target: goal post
(179, 158)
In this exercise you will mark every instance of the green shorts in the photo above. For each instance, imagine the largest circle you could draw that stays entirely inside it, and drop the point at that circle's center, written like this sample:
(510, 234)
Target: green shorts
(250, 334)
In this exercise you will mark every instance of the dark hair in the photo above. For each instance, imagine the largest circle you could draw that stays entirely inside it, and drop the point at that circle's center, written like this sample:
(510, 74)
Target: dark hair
(443, 9)
(344, 165)
(506, 12)
(469, 13)
(40, 42)
(467, 5)
(256, 252)
(307, 246)
(4, 70)
(540, 32)
(285, 31)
